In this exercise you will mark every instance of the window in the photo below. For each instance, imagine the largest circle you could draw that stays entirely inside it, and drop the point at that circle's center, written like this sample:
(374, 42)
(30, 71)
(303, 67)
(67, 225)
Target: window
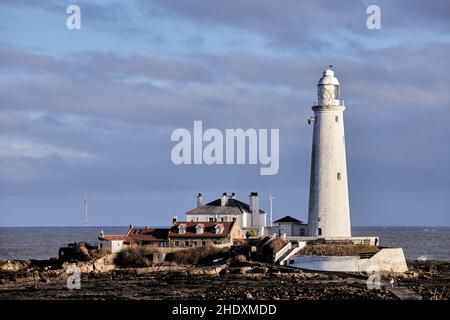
(302, 232)
(186, 243)
(211, 219)
(319, 231)
(336, 92)
(182, 229)
(222, 219)
(219, 229)
(199, 228)
(339, 176)
(176, 244)
(336, 118)
(203, 243)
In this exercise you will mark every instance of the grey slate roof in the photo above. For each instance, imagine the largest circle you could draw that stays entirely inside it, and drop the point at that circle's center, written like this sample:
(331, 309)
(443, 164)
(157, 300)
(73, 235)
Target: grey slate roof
(233, 206)
(289, 219)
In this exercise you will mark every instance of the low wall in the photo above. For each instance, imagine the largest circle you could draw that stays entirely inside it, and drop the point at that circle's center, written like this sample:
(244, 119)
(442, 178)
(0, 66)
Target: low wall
(387, 259)
(371, 241)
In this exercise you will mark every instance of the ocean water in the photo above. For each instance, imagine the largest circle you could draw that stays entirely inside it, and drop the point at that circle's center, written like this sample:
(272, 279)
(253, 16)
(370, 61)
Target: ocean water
(44, 242)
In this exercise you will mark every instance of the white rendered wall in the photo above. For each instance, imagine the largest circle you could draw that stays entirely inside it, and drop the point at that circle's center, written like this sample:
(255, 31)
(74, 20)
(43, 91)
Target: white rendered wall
(227, 218)
(328, 197)
(387, 259)
(112, 246)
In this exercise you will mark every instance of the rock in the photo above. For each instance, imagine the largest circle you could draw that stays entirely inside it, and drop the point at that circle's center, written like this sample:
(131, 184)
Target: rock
(244, 270)
(249, 296)
(13, 266)
(214, 270)
(104, 264)
(262, 270)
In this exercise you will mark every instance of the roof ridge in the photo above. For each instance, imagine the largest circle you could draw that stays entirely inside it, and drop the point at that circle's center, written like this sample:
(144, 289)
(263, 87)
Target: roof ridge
(238, 204)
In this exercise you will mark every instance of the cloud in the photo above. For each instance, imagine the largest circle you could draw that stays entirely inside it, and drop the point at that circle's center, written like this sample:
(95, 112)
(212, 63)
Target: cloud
(99, 122)
(13, 148)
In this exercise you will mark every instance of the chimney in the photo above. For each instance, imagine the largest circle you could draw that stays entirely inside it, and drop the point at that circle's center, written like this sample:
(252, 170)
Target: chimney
(174, 219)
(254, 202)
(199, 200)
(224, 199)
(254, 209)
(233, 195)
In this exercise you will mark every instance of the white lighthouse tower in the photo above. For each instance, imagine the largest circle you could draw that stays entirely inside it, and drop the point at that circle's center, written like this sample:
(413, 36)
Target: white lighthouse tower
(329, 213)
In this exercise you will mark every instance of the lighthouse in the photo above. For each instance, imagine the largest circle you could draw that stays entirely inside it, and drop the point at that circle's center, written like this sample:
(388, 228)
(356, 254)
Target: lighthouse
(329, 212)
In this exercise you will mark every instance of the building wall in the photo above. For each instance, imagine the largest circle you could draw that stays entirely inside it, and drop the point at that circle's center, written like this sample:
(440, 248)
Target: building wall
(112, 246)
(205, 217)
(289, 228)
(236, 232)
(196, 242)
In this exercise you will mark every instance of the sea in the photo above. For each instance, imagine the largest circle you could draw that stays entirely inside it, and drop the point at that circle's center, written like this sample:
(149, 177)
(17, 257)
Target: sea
(20, 243)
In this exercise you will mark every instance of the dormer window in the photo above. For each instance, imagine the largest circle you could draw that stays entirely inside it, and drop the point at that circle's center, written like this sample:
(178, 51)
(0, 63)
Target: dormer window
(199, 228)
(219, 228)
(182, 229)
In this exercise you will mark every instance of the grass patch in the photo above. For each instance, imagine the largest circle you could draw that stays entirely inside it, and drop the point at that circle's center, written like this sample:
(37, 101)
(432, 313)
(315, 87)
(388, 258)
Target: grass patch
(336, 250)
(196, 255)
(136, 257)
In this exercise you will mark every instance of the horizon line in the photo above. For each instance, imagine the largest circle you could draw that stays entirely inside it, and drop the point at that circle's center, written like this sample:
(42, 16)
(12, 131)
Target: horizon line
(127, 226)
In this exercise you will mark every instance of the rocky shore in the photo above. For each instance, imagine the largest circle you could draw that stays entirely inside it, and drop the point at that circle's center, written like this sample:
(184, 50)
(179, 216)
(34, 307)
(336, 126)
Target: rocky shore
(101, 279)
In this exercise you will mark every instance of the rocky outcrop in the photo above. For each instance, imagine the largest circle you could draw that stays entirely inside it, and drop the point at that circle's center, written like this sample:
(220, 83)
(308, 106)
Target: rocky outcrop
(14, 266)
(103, 264)
(214, 270)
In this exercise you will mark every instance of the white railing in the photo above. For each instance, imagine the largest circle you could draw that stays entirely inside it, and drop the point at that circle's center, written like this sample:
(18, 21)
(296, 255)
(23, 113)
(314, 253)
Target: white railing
(293, 252)
(282, 251)
(316, 103)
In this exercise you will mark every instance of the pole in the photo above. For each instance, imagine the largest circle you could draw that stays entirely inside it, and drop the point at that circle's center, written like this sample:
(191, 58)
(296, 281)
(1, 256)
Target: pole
(85, 211)
(270, 212)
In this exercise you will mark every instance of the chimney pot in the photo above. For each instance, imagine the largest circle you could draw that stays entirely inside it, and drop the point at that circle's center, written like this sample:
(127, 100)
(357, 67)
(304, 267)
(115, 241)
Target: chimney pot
(223, 199)
(199, 200)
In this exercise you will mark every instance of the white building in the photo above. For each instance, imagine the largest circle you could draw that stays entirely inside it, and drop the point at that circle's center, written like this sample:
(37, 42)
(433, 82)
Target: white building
(112, 243)
(227, 208)
(329, 213)
(287, 226)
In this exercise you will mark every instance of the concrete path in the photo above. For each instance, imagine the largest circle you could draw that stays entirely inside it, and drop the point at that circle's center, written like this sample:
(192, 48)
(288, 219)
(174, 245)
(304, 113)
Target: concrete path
(403, 293)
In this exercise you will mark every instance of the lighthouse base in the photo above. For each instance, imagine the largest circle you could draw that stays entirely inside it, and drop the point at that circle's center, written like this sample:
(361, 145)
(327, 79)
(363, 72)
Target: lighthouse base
(387, 260)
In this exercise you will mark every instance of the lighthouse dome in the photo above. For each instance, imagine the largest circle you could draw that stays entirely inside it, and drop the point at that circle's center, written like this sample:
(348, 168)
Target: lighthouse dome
(328, 78)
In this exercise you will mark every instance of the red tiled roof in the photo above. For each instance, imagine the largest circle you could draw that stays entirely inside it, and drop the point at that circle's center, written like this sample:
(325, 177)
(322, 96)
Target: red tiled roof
(148, 234)
(209, 230)
(109, 237)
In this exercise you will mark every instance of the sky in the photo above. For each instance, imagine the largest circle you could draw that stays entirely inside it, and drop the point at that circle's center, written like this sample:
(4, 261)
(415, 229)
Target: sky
(90, 112)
